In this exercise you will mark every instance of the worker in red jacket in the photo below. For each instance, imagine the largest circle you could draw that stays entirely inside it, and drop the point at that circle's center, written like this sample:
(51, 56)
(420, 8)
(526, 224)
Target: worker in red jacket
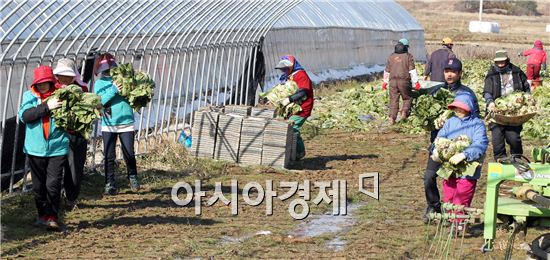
(537, 60)
(292, 70)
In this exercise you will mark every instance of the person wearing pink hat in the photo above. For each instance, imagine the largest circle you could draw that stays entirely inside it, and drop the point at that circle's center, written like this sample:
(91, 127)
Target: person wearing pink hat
(536, 61)
(461, 190)
(117, 123)
(46, 146)
(66, 73)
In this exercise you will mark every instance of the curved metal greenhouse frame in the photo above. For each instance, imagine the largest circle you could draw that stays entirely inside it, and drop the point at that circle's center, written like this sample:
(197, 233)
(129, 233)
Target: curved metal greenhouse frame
(199, 53)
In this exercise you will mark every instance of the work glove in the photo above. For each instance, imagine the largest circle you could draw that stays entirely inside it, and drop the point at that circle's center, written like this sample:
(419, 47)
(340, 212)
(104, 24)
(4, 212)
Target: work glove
(439, 122)
(53, 103)
(491, 107)
(520, 54)
(384, 86)
(285, 102)
(457, 158)
(435, 156)
(417, 86)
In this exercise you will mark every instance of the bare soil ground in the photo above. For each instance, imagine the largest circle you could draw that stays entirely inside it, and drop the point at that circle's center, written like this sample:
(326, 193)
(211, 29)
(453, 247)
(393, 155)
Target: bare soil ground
(148, 224)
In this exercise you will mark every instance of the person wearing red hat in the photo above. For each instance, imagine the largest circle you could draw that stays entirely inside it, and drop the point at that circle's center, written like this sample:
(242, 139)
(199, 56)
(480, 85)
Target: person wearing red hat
(536, 61)
(46, 145)
(117, 123)
(460, 191)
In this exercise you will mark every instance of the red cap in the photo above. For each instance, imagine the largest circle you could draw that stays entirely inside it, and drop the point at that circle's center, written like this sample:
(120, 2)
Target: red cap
(460, 105)
(538, 43)
(43, 74)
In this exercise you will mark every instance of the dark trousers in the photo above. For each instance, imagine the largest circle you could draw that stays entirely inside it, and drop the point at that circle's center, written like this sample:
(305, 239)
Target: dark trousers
(430, 185)
(47, 173)
(127, 144)
(74, 166)
(400, 88)
(510, 134)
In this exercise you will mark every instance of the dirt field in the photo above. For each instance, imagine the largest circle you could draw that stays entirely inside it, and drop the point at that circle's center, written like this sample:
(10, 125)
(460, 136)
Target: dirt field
(150, 225)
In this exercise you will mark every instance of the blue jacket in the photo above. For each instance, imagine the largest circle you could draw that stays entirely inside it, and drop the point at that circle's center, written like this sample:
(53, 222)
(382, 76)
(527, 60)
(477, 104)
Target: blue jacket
(35, 143)
(470, 126)
(117, 109)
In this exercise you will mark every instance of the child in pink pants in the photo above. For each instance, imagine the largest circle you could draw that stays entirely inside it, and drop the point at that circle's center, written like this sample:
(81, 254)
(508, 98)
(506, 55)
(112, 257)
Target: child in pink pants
(460, 191)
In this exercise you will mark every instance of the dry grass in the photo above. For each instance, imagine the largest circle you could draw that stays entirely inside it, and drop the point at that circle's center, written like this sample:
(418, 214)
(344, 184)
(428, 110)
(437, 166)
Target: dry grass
(149, 225)
(517, 33)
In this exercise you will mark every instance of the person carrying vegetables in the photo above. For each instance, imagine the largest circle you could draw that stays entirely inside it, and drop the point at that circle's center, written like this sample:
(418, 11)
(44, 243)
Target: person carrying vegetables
(453, 74)
(399, 74)
(46, 146)
(67, 74)
(117, 121)
(460, 191)
(502, 79)
(537, 60)
(292, 70)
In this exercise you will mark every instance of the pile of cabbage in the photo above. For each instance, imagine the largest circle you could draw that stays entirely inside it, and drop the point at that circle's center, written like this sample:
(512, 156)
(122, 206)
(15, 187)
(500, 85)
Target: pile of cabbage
(357, 108)
(428, 108)
(78, 111)
(447, 148)
(516, 104)
(138, 87)
(277, 94)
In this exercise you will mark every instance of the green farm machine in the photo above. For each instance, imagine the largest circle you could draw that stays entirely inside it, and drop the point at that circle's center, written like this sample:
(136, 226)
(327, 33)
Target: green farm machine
(530, 205)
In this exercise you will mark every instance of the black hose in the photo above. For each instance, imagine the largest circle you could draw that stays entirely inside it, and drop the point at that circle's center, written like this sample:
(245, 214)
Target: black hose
(541, 200)
(540, 246)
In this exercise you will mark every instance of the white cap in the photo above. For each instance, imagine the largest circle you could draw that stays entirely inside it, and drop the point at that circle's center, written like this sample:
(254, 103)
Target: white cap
(65, 67)
(283, 64)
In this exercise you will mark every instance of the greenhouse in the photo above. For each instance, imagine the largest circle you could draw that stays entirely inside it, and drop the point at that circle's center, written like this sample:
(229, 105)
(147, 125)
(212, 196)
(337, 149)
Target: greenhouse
(198, 53)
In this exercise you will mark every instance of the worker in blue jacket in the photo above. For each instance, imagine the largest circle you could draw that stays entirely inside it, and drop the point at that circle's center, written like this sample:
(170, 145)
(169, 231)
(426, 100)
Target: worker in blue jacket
(117, 122)
(453, 74)
(46, 146)
(460, 191)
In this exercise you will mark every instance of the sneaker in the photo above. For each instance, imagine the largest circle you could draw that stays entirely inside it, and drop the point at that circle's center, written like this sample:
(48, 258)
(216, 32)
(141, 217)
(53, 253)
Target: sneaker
(110, 189)
(41, 221)
(52, 224)
(474, 231)
(426, 216)
(70, 205)
(134, 183)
